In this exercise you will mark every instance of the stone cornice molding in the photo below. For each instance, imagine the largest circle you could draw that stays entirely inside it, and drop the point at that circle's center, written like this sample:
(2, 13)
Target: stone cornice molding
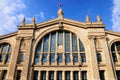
(112, 33)
(8, 35)
(96, 36)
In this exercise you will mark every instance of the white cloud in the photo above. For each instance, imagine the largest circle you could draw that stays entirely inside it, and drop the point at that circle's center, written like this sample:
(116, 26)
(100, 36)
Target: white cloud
(10, 15)
(41, 15)
(116, 15)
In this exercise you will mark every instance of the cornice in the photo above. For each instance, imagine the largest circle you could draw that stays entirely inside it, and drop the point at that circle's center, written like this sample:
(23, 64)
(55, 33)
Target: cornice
(112, 33)
(71, 22)
(8, 35)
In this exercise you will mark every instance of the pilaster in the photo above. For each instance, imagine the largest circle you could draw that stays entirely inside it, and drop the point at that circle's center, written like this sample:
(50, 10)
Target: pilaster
(109, 67)
(26, 66)
(93, 59)
(12, 66)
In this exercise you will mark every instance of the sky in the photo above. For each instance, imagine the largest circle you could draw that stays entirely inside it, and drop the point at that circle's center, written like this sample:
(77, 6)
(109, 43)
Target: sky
(12, 12)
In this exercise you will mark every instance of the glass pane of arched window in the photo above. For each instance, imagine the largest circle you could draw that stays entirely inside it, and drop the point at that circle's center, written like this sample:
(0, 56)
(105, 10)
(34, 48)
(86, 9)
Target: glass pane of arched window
(46, 41)
(75, 57)
(114, 57)
(37, 58)
(8, 57)
(39, 47)
(5, 46)
(118, 46)
(52, 57)
(67, 41)
(60, 38)
(44, 57)
(53, 42)
(59, 57)
(67, 57)
(10, 49)
(81, 46)
(1, 57)
(83, 57)
(74, 43)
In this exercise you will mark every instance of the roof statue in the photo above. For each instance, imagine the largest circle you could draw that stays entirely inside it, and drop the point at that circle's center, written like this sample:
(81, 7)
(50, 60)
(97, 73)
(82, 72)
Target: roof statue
(99, 19)
(60, 13)
(87, 19)
(23, 21)
(33, 20)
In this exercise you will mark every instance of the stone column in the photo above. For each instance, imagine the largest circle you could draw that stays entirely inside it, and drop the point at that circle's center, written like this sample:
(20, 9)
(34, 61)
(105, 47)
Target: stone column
(14, 57)
(109, 73)
(63, 75)
(55, 75)
(71, 75)
(47, 75)
(39, 74)
(93, 65)
(26, 66)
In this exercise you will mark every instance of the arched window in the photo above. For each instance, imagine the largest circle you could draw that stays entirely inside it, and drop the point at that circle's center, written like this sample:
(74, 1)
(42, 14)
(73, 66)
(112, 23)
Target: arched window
(115, 49)
(5, 52)
(60, 46)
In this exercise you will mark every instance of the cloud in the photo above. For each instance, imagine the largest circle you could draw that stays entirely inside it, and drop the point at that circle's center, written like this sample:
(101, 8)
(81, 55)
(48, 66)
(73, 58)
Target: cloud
(10, 15)
(41, 15)
(116, 15)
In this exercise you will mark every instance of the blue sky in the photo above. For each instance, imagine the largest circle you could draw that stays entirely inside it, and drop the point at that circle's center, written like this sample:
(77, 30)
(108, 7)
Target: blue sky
(12, 11)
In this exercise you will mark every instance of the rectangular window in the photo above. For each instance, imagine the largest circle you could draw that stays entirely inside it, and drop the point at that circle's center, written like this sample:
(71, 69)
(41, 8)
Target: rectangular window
(118, 75)
(99, 57)
(59, 57)
(4, 75)
(59, 75)
(102, 75)
(43, 75)
(67, 57)
(67, 42)
(75, 57)
(35, 77)
(18, 75)
(75, 75)
(84, 75)
(53, 42)
(74, 43)
(51, 75)
(44, 57)
(83, 57)
(37, 58)
(67, 75)
(52, 57)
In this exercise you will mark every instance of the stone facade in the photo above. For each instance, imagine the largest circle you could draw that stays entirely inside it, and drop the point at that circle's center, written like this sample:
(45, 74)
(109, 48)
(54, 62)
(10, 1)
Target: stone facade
(92, 34)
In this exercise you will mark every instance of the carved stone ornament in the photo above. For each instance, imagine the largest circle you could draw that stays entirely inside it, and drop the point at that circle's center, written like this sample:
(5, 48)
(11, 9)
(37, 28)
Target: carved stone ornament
(60, 24)
(23, 44)
(18, 38)
(98, 43)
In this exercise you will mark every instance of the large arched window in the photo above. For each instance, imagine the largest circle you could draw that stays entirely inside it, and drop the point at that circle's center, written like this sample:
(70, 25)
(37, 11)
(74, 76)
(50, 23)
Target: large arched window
(60, 46)
(5, 52)
(115, 49)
